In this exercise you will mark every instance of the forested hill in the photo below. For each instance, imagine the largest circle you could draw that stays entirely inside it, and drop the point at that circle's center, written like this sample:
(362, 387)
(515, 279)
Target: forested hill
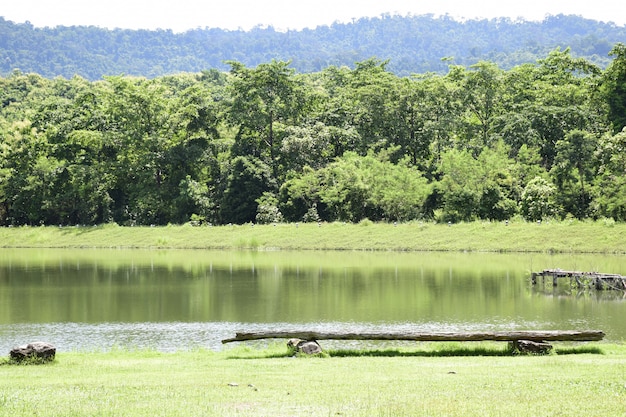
(412, 44)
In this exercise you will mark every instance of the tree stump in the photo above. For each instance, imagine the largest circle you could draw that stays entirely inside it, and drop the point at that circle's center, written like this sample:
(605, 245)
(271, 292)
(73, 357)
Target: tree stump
(308, 347)
(37, 350)
(529, 346)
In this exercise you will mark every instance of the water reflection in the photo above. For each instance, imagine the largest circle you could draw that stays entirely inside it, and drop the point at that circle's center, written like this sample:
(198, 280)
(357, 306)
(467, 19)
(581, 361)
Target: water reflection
(171, 300)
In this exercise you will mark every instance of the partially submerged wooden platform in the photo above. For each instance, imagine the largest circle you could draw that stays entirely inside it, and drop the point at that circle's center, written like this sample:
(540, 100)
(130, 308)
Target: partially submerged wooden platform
(580, 279)
(512, 336)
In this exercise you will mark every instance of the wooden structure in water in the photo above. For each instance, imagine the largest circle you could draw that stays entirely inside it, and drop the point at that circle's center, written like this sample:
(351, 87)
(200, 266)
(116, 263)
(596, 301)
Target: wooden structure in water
(597, 280)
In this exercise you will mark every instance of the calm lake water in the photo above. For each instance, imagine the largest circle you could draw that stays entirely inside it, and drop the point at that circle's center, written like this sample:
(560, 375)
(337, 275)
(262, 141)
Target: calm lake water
(182, 299)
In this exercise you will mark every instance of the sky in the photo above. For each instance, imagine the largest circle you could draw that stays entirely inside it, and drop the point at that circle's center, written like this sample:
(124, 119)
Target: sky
(181, 15)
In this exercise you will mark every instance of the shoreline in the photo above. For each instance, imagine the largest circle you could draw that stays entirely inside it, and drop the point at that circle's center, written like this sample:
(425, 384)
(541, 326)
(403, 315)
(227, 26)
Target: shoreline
(601, 237)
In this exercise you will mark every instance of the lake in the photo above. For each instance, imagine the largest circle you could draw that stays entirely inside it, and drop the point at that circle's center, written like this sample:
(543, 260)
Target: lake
(169, 300)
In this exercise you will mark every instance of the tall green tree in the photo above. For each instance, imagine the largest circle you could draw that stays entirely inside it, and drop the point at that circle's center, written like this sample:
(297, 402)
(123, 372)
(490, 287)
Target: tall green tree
(614, 87)
(575, 163)
(440, 106)
(565, 100)
(372, 92)
(248, 180)
(264, 100)
(610, 182)
(423, 116)
(482, 97)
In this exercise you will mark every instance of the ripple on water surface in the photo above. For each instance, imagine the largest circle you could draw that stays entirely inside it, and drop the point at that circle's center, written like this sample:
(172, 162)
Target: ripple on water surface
(177, 336)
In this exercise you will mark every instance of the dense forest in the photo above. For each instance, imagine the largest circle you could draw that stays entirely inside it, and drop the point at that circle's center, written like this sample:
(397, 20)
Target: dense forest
(269, 144)
(412, 44)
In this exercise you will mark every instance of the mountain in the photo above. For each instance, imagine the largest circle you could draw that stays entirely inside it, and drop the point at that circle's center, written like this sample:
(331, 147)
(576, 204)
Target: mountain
(412, 44)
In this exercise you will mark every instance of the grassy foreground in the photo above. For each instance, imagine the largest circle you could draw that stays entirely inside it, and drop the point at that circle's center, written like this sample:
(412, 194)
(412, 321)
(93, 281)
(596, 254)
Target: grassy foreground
(516, 236)
(244, 382)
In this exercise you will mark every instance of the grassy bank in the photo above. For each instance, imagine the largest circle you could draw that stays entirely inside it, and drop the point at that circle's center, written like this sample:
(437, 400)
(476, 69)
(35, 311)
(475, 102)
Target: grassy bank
(266, 383)
(516, 236)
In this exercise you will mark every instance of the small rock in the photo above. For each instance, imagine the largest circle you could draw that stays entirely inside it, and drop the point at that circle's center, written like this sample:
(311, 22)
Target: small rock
(308, 347)
(41, 350)
(529, 346)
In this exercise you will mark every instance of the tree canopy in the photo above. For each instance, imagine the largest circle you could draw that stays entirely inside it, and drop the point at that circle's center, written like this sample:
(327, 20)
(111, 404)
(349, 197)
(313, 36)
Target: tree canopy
(412, 44)
(268, 143)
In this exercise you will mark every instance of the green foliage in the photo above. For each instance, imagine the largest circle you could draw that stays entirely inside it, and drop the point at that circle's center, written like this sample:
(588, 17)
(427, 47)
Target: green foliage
(539, 200)
(611, 178)
(267, 144)
(480, 187)
(354, 188)
(263, 100)
(482, 87)
(249, 179)
(413, 44)
(268, 211)
(575, 158)
(614, 87)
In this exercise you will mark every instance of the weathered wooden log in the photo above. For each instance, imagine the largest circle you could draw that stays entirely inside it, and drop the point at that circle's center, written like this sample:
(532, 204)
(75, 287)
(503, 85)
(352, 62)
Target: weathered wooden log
(536, 336)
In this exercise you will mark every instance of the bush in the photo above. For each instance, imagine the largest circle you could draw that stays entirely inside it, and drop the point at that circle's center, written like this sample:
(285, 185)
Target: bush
(267, 210)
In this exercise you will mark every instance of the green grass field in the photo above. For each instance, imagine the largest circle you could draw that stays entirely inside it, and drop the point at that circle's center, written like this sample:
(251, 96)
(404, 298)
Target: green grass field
(244, 381)
(516, 236)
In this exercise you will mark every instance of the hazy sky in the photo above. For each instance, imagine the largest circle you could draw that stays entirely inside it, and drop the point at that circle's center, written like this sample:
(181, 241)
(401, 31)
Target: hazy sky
(180, 15)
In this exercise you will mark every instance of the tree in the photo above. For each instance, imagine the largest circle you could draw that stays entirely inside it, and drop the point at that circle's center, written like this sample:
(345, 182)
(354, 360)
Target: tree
(482, 91)
(424, 113)
(300, 195)
(334, 108)
(480, 187)
(575, 158)
(356, 187)
(137, 136)
(565, 100)
(610, 182)
(341, 144)
(248, 180)
(28, 176)
(263, 100)
(614, 87)
(538, 199)
(576, 151)
(372, 94)
(268, 211)
(400, 190)
(542, 102)
(307, 145)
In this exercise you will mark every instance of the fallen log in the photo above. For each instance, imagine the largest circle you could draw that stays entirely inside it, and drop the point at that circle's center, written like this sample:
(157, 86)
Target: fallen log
(535, 336)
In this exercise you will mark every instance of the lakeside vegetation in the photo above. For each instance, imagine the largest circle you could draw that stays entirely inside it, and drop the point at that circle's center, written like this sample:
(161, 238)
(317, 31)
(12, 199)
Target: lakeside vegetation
(570, 236)
(266, 144)
(523, 159)
(250, 382)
